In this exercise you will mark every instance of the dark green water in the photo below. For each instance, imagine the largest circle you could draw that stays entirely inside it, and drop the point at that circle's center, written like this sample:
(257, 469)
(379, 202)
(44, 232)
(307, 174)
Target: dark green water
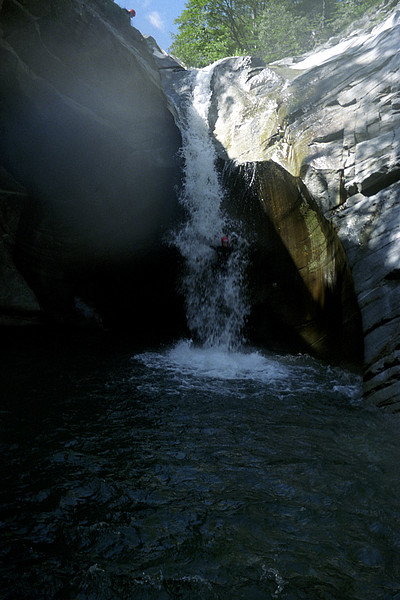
(183, 473)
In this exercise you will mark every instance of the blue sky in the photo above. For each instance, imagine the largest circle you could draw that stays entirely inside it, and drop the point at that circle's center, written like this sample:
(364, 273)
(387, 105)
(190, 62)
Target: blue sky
(155, 18)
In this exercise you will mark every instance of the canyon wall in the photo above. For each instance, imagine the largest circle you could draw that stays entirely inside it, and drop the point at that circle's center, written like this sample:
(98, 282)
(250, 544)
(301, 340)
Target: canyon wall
(89, 162)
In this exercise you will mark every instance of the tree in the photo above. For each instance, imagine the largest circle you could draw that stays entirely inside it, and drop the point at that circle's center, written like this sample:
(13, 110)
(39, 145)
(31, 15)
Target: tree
(283, 34)
(270, 29)
(202, 36)
(211, 29)
(347, 11)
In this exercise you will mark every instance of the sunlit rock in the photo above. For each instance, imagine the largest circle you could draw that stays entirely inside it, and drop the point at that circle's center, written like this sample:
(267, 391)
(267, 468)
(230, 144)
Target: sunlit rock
(370, 230)
(332, 118)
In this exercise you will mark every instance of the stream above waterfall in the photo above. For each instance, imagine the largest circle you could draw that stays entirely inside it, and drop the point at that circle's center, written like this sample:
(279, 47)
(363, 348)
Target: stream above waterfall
(184, 472)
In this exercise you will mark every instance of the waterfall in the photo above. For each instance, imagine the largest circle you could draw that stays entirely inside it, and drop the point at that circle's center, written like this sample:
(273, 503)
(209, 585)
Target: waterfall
(216, 306)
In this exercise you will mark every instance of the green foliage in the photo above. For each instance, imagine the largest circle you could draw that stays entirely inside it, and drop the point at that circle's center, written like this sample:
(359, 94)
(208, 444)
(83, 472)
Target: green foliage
(202, 37)
(270, 29)
(293, 35)
(348, 11)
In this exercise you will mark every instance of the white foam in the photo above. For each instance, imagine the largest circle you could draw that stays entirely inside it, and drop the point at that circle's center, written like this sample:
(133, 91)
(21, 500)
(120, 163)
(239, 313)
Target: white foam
(187, 366)
(189, 360)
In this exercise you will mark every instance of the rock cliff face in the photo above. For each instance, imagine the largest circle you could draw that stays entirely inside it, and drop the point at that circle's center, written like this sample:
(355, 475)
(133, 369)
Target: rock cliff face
(88, 154)
(18, 303)
(332, 119)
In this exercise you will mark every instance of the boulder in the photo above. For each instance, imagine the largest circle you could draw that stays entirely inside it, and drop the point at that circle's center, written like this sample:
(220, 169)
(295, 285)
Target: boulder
(300, 285)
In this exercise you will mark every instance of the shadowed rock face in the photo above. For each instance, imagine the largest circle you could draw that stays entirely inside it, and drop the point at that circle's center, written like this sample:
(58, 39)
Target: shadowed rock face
(301, 288)
(18, 303)
(86, 130)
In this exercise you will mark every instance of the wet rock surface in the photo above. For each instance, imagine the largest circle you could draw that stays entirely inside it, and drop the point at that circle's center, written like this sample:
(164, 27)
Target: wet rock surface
(300, 284)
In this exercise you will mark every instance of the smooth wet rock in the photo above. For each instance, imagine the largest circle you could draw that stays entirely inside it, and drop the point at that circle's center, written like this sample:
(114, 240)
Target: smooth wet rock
(300, 284)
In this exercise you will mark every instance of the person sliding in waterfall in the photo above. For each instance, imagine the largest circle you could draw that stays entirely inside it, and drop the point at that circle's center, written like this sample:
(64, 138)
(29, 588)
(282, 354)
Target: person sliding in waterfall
(225, 245)
(223, 251)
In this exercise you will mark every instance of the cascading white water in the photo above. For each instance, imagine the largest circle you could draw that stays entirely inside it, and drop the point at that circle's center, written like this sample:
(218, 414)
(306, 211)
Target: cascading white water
(215, 301)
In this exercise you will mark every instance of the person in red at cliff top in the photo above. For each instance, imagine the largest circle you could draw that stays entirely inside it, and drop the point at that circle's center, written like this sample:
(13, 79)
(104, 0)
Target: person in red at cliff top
(131, 12)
